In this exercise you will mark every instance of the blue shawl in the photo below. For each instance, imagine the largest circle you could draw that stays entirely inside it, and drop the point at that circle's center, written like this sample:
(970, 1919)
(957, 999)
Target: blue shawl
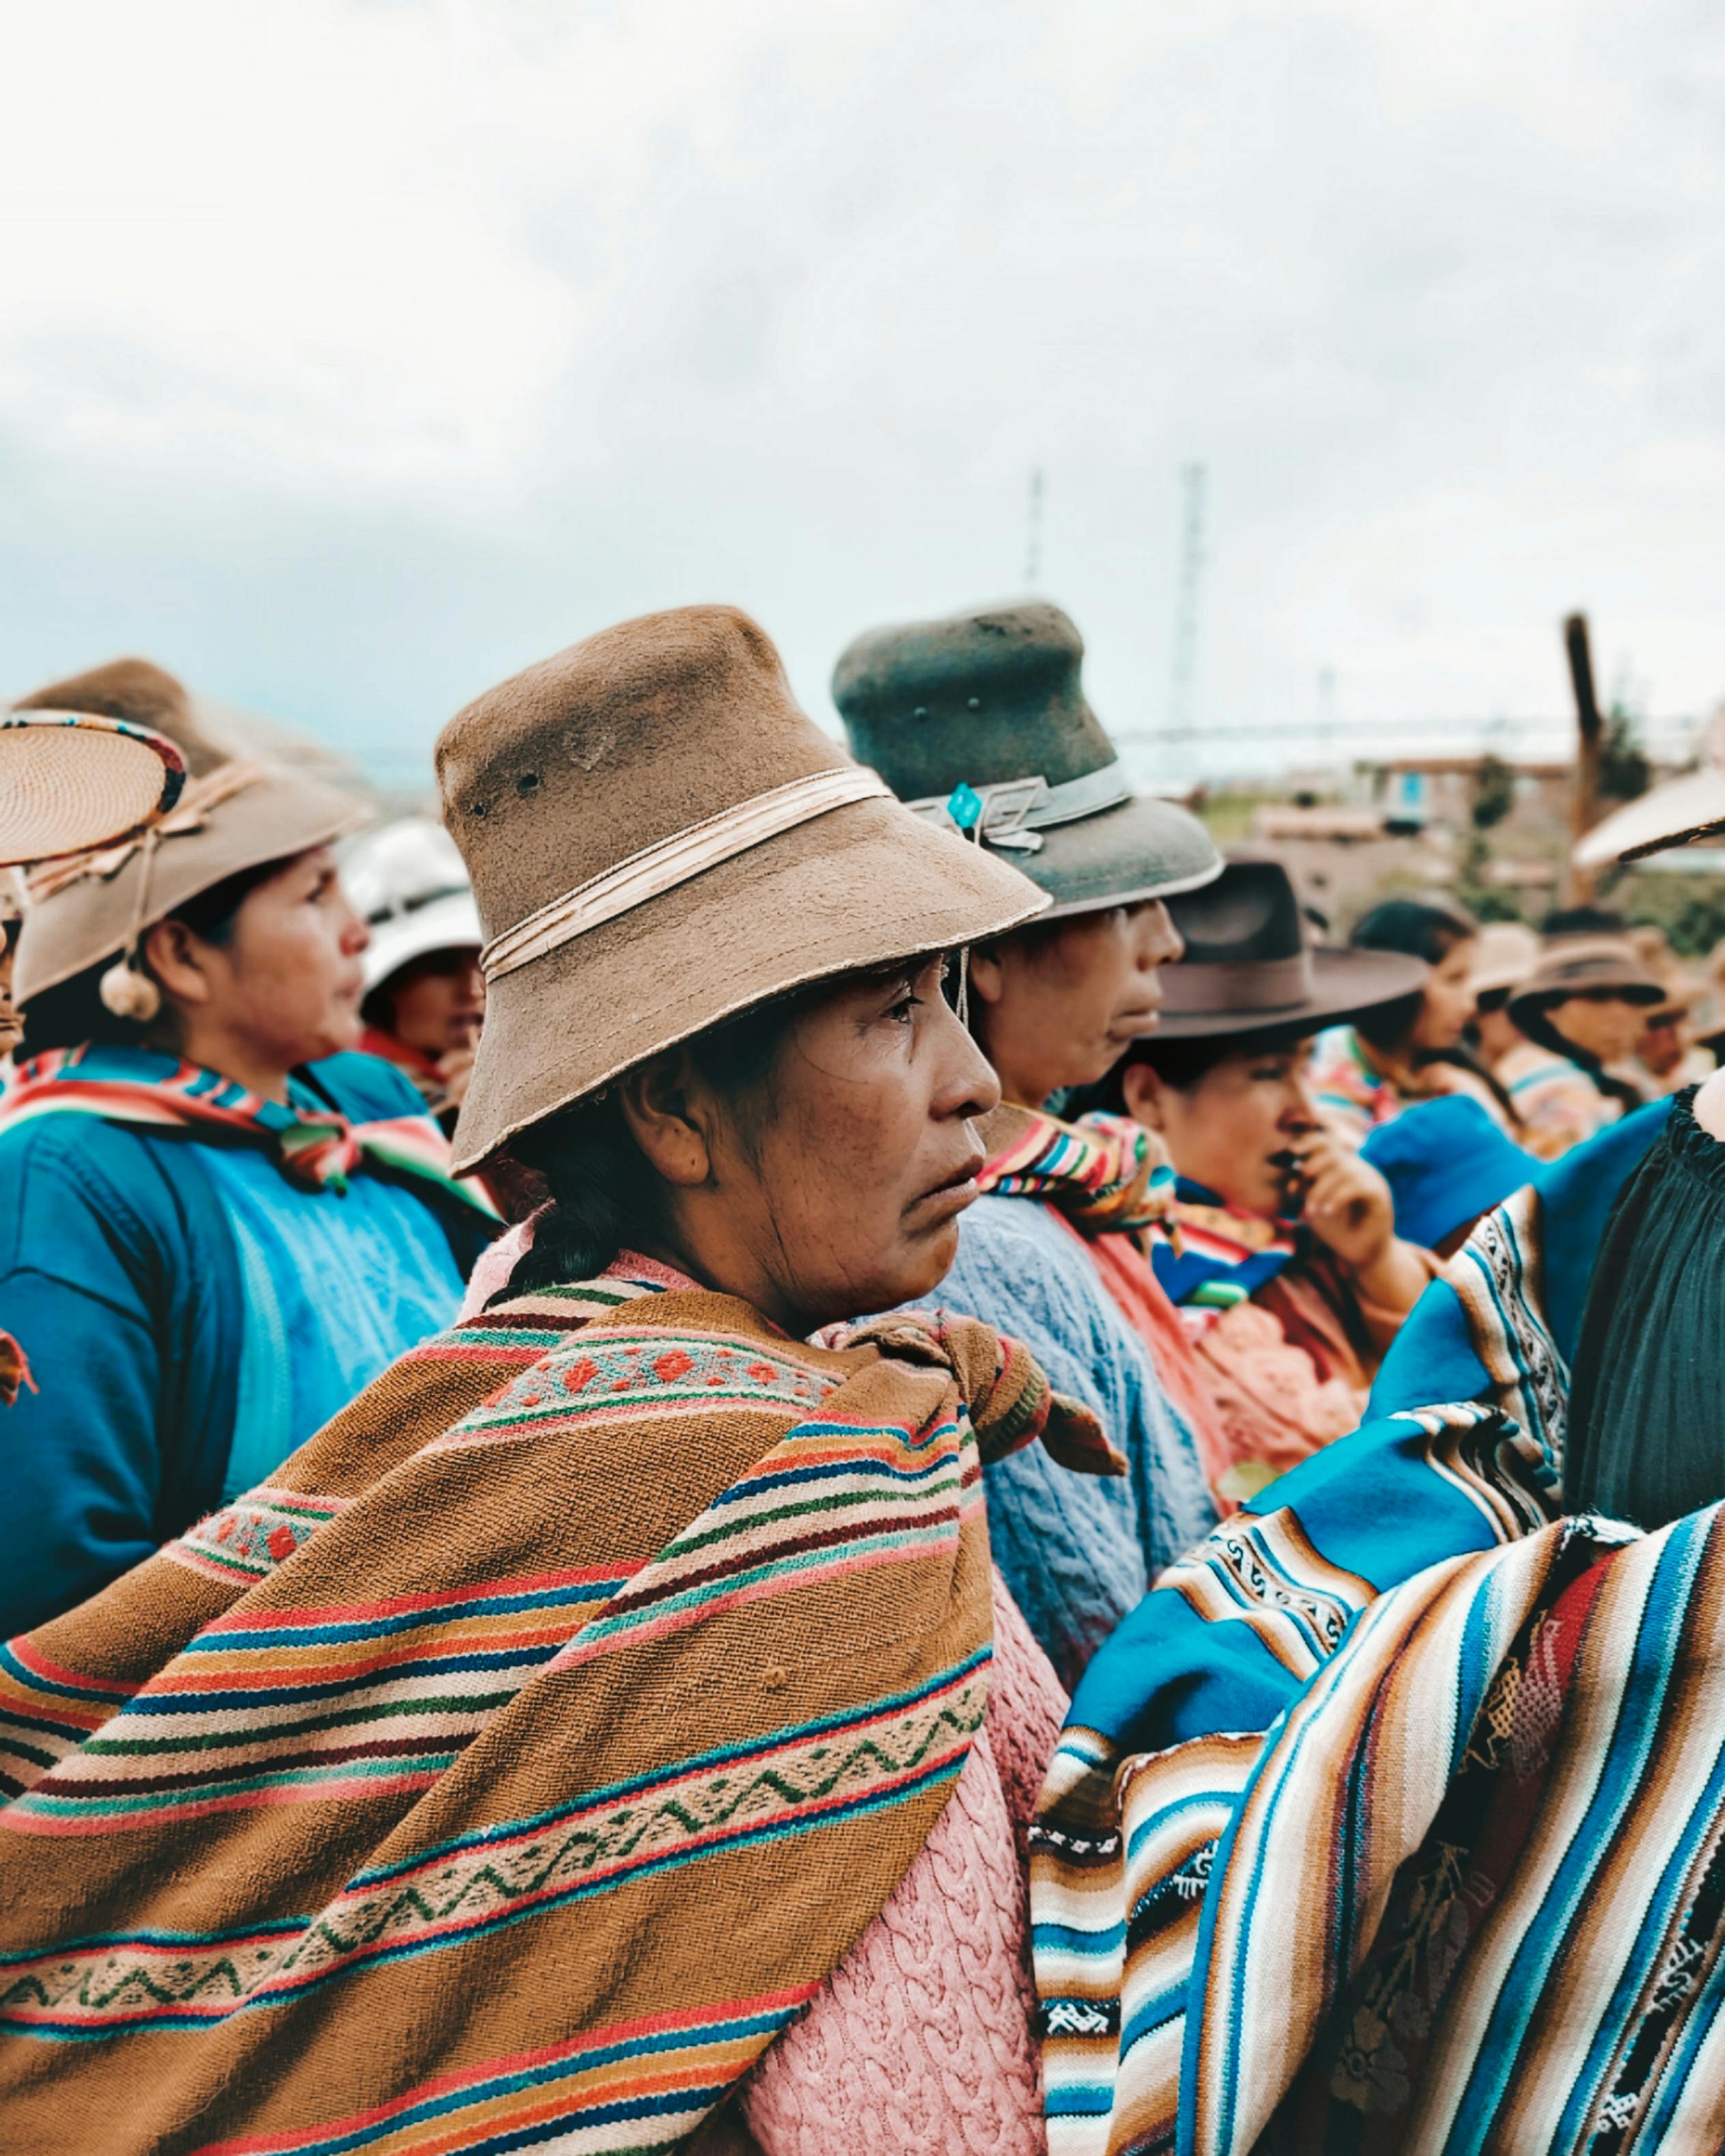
(1178, 1735)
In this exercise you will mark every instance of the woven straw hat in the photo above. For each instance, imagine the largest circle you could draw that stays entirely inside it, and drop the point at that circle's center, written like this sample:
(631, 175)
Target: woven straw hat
(70, 781)
(233, 815)
(981, 718)
(658, 837)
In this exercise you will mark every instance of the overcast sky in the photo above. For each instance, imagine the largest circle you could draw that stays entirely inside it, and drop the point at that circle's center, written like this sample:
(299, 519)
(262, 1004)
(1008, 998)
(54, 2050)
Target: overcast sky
(355, 352)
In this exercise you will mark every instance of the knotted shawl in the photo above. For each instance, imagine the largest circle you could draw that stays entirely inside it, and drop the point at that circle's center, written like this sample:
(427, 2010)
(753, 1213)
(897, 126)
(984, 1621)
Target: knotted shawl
(317, 1147)
(1108, 1175)
(1173, 1943)
(512, 1769)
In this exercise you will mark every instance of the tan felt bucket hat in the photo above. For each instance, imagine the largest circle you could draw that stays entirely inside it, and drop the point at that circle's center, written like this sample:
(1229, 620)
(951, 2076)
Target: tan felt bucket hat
(69, 781)
(233, 815)
(660, 837)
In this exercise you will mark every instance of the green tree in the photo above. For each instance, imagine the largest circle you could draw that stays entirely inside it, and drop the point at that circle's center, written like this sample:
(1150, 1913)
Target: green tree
(1624, 772)
(1494, 792)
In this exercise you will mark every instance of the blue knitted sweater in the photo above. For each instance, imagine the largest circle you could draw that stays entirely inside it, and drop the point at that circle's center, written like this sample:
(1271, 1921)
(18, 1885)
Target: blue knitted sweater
(1078, 1552)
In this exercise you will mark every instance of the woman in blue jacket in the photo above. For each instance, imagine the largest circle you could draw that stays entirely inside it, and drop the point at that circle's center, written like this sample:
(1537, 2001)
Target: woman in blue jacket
(216, 1226)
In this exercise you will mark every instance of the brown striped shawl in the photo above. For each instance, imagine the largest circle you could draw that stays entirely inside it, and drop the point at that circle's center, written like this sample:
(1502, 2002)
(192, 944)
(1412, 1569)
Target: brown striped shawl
(518, 1764)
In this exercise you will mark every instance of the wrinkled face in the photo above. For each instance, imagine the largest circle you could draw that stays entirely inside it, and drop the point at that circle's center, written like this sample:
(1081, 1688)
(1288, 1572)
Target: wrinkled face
(842, 1186)
(1601, 1023)
(1231, 1129)
(437, 1002)
(1448, 1001)
(1060, 1004)
(288, 980)
(11, 1031)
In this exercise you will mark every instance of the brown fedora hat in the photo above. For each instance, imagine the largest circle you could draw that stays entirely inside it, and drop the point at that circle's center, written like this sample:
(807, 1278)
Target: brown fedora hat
(233, 815)
(660, 837)
(70, 781)
(1585, 965)
(1248, 969)
(980, 720)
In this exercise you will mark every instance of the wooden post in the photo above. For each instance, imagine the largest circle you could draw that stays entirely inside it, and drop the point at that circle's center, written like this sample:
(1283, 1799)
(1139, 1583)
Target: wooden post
(1589, 740)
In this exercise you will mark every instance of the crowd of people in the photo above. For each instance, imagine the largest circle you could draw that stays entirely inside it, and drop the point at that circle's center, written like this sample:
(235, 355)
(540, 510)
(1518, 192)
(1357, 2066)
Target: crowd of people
(775, 1449)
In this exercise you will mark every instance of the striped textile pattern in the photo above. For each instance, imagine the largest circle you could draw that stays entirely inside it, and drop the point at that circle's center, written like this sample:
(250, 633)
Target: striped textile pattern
(1392, 1819)
(1107, 1174)
(318, 1147)
(513, 1769)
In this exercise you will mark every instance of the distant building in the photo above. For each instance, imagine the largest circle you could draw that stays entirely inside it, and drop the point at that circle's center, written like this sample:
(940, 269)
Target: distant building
(1443, 789)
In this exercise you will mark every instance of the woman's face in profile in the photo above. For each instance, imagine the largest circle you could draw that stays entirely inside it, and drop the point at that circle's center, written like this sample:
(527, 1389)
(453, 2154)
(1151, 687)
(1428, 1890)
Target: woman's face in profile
(841, 1184)
(1449, 999)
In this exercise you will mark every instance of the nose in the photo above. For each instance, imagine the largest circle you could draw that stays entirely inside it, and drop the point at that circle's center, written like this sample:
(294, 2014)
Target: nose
(1160, 943)
(1300, 1112)
(965, 1083)
(355, 936)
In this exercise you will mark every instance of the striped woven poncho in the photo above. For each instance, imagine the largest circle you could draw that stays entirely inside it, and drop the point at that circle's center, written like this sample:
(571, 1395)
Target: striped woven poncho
(1393, 1821)
(509, 1773)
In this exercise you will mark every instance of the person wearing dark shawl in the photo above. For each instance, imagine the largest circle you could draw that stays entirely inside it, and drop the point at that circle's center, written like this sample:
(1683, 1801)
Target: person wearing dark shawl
(518, 1764)
(1394, 1818)
(980, 722)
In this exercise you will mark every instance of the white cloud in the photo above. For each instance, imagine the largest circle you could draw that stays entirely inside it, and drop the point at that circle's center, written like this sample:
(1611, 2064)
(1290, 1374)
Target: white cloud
(350, 353)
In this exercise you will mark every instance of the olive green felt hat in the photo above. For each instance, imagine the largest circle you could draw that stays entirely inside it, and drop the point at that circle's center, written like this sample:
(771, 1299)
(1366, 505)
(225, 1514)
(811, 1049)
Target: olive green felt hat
(979, 719)
(658, 837)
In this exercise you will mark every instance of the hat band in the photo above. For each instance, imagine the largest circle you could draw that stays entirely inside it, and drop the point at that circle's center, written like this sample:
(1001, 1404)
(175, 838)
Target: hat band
(1010, 813)
(661, 867)
(1249, 988)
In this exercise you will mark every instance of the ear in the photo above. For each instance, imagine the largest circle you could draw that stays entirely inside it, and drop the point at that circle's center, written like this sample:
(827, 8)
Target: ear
(1142, 1088)
(665, 1107)
(179, 961)
(985, 974)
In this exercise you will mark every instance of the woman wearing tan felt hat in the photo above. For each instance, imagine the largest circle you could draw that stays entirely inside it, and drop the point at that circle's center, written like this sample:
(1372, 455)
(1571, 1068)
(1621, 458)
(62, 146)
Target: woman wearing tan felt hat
(193, 1291)
(651, 1633)
(1582, 1010)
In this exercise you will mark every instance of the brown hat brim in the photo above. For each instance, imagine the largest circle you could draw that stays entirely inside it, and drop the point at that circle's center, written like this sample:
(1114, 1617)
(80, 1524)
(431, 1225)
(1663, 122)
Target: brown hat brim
(1345, 984)
(1143, 848)
(278, 814)
(1543, 994)
(864, 886)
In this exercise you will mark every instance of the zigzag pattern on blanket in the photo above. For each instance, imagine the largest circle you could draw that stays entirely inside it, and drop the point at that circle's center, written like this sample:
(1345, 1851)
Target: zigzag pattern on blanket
(546, 1655)
(798, 1779)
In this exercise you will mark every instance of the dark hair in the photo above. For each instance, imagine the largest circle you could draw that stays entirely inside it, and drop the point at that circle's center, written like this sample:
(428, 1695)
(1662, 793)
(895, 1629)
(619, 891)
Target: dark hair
(604, 1197)
(1419, 928)
(1182, 1064)
(72, 1013)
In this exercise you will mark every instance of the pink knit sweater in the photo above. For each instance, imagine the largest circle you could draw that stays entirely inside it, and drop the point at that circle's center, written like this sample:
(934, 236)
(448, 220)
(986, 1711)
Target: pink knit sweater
(923, 2039)
(922, 2044)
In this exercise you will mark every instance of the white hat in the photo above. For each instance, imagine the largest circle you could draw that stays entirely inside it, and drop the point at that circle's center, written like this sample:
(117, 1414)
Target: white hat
(410, 883)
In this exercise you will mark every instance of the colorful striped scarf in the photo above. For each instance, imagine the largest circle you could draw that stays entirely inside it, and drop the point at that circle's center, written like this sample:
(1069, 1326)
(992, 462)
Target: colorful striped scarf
(1108, 1175)
(513, 1769)
(312, 1143)
(1390, 1820)
(1209, 1254)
